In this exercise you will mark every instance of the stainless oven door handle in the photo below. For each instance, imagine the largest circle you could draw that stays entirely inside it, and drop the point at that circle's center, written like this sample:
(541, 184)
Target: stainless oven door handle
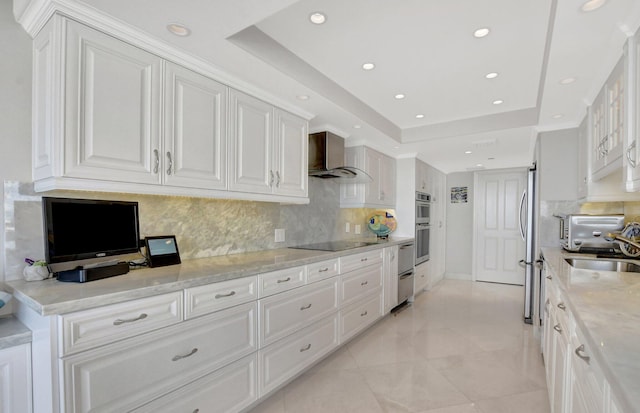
(521, 226)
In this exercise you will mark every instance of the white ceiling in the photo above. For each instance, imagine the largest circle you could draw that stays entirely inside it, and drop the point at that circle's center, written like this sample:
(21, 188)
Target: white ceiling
(424, 49)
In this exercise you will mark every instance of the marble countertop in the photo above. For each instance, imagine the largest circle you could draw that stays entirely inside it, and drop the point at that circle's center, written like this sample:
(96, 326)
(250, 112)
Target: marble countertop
(13, 332)
(606, 308)
(50, 297)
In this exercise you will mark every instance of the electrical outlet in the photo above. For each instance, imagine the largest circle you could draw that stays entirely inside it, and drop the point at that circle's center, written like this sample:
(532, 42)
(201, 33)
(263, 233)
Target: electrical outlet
(279, 235)
(347, 227)
(357, 228)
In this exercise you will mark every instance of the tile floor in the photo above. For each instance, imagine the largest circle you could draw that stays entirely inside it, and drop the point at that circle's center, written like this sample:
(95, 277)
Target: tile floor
(460, 348)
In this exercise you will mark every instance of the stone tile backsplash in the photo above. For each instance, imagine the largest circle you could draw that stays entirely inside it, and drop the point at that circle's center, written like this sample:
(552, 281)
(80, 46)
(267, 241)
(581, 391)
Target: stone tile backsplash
(203, 227)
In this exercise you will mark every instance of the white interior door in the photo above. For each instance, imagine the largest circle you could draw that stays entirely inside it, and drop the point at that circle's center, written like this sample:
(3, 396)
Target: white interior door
(498, 243)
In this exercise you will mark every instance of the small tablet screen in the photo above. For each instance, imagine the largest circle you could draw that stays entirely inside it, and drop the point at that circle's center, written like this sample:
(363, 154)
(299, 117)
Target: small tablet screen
(162, 250)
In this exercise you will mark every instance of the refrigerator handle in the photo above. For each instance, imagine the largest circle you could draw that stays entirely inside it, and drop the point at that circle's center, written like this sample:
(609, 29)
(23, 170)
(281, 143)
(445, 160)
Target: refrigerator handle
(522, 199)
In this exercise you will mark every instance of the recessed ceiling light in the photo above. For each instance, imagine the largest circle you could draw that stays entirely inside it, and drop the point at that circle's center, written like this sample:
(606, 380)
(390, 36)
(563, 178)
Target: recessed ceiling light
(479, 165)
(467, 152)
(419, 116)
(491, 75)
(482, 32)
(303, 97)
(368, 66)
(567, 80)
(356, 126)
(592, 5)
(396, 147)
(179, 29)
(557, 116)
(317, 18)
(498, 102)
(399, 96)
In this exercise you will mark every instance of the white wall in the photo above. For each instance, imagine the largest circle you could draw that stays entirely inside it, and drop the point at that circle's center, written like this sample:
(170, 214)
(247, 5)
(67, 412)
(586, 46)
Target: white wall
(459, 229)
(558, 165)
(15, 109)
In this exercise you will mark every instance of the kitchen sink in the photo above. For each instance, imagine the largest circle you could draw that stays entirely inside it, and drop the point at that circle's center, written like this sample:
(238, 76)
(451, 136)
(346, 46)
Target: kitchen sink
(602, 265)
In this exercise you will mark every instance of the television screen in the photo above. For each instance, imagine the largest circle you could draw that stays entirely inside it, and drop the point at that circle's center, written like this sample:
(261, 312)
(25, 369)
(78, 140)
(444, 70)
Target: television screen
(77, 229)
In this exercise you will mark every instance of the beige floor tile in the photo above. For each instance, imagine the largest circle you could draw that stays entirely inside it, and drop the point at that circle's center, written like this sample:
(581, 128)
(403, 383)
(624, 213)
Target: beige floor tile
(530, 402)
(463, 408)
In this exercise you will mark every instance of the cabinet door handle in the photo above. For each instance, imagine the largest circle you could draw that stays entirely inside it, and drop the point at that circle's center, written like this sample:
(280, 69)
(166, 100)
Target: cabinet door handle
(305, 307)
(170, 167)
(277, 179)
(557, 328)
(305, 348)
(632, 161)
(225, 295)
(364, 259)
(325, 269)
(180, 357)
(562, 306)
(285, 280)
(362, 284)
(156, 164)
(364, 314)
(549, 277)
(579, 351)
(120, 321)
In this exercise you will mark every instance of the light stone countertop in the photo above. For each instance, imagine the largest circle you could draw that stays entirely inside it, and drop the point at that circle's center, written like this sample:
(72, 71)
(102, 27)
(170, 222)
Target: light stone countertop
(50, 297)
(606, 308)
(13, 332)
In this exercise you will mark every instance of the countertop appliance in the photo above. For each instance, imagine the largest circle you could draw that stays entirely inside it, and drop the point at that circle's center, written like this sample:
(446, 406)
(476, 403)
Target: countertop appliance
(334, 245)
(588, 233)
(527, 214)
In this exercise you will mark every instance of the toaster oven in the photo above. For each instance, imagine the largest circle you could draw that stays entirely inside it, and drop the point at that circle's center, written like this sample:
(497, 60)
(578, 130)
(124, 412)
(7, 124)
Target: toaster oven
(588, 233)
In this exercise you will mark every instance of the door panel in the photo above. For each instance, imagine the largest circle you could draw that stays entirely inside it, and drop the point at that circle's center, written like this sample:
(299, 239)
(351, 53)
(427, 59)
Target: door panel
(498, 244)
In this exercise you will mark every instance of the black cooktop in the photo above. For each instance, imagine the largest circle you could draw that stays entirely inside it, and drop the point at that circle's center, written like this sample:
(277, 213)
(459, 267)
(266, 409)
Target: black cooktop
(334, 245)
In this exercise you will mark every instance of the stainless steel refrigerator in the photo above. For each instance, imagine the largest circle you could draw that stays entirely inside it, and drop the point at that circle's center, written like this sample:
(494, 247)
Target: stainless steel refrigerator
(528, 227)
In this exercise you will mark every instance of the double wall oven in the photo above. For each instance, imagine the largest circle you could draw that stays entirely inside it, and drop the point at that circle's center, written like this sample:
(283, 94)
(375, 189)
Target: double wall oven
(423, 226)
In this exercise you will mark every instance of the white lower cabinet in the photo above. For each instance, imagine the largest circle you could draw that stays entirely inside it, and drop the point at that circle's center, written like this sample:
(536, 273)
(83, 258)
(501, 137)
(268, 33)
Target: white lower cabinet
(360, 282)
(284, 359)
(15, 379)
(126, 374)
(359, 315)
(229, 389)
(421, 277)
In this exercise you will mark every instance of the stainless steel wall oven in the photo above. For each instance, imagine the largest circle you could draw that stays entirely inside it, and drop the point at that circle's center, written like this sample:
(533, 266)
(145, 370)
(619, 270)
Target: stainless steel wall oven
(423, 227)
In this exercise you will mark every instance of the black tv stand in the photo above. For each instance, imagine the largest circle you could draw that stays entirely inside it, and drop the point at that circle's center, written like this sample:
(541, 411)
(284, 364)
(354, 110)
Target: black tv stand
(81, 275)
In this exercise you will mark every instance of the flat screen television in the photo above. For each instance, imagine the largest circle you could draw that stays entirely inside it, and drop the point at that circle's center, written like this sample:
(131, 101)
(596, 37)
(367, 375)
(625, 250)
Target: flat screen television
(78, 229)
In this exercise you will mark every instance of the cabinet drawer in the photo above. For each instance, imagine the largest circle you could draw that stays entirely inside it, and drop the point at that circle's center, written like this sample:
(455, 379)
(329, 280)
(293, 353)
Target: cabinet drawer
(92, 328)
(355, 261)
(279, 281)
(358, 316)
(129, 373)
(229, 389)
(283, 314)
(358, 283)
(322, 270)
(587, 372)
(283, 360)
(217, 296)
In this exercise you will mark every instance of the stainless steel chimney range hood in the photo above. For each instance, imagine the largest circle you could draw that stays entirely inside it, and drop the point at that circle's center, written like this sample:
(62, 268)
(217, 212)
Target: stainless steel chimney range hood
(326, 160)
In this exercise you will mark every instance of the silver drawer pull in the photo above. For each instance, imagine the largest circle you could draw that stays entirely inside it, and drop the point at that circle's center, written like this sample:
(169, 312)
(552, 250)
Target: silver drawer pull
(305, 307)
(196, 411)
(364, 259)
(305, 348)
(562, 306)
(325, 269)
(364, 314)
(549, 277)
(285, 280)
(557, 328)
(225, 295)
(579, 352)
(120, 321)
(362, 284)
(179, 357)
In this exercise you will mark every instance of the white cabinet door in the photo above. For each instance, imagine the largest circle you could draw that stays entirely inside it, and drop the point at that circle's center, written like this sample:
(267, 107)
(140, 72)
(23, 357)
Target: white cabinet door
(390, 287)
(112, 108)
(372, 166)
(380, 193)
(15, 379)
(359, 315)
(195, 134)
(290, 153)
(353, 194)
(583, 158)
(387, 181)
(250, 144)
(632, 113)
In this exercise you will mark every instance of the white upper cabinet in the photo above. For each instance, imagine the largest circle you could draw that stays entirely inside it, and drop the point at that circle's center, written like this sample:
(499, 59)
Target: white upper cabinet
(381, 192)
(583, 156)
(195, 134)
(268, 148)
(607, 124)
(112, 108)
(112, 117)
(632, 114)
